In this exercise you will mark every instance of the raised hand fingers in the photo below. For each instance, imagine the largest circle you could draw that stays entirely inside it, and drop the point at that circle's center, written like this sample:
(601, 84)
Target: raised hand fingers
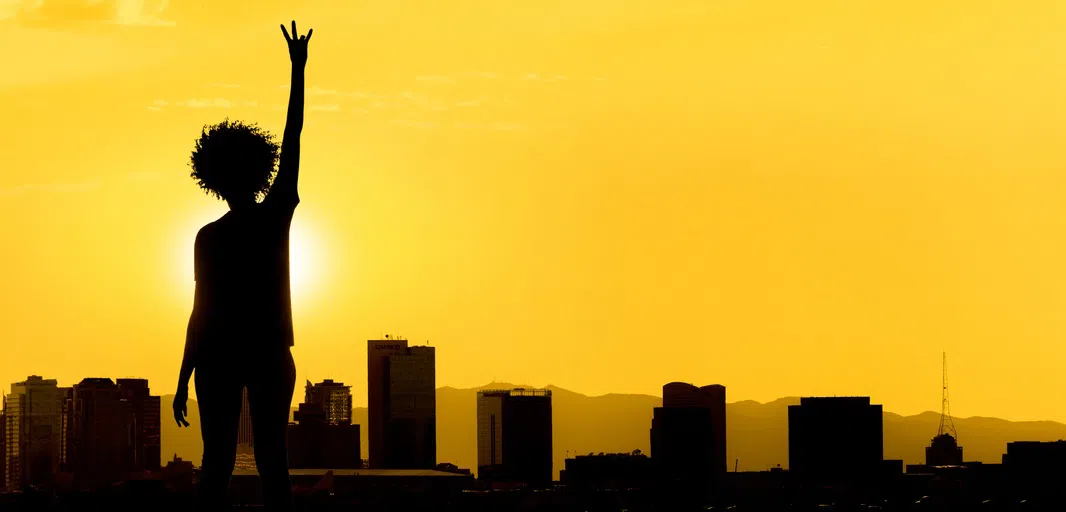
(309, 32)
(286, 32)
(294, 32)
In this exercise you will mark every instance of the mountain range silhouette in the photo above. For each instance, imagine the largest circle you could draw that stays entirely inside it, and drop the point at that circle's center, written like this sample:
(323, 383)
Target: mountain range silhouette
(757, 433)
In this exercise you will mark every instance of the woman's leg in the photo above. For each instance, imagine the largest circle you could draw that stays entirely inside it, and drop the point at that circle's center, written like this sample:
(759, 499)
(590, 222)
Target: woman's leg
(270, 388)
(218, 395)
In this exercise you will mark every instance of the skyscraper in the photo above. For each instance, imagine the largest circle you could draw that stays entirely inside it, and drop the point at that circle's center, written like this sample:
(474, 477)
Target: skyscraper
(835, 438)
(144, 432)
(98, 433)
(688, 440)
(245, 440)
(334, 398)
(3, 452)
(514, 435)
(33, 413)
(402, 398)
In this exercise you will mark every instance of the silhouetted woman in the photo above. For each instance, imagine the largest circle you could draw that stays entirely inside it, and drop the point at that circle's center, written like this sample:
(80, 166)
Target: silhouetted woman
(240, 330)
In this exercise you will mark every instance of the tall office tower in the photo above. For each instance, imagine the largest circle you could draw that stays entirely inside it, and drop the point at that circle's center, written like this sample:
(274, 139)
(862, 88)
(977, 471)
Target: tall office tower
(3, 451)
(514, 435)
(144, 432)
(33, 417)
(835, 438)
(245, 440)
(402, 398)
(244, 427)
(98, 433)
(688, 441)
(334, 398)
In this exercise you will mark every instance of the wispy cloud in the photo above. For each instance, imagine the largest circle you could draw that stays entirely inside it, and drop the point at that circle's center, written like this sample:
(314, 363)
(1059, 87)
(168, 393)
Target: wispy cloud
(325, 108)
(206, 103)
(142, 12)
(319, 91)
(224, 86)
(498, 126)
(161, 104)
(413, 123)
(50, 188)
(420, 100)
(537, 77)
(436, 79)
(53, 12)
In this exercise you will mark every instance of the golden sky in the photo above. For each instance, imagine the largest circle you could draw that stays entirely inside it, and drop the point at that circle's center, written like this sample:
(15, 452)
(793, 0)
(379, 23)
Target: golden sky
(788, 198)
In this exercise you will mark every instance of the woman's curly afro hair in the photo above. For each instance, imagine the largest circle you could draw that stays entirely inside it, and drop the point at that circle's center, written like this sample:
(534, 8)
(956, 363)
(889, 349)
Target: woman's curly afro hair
(234, 160)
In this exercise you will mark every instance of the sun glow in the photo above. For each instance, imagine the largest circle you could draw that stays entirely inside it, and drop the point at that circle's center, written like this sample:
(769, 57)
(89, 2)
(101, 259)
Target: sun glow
(304, 260)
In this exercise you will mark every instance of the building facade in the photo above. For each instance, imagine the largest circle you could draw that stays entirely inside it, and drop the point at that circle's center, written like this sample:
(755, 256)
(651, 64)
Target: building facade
(145, 434)
(514, 435)
(245, 439)
(835, 438)
(110, 429)
(33, 432)
(688, 433)
(401, 391)
(334, 398)
(97, 433)
(608, 471)
(943, 451)
(314, 443)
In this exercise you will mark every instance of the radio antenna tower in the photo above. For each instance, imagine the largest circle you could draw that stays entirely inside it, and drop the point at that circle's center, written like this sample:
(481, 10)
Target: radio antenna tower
(947, 425)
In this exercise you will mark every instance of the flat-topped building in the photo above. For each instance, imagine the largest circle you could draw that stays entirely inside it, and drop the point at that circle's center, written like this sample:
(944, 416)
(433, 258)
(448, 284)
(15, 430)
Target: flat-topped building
(401, 392)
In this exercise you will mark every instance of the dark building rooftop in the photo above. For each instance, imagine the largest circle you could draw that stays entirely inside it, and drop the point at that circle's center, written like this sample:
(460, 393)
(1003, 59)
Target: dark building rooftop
(396, 473)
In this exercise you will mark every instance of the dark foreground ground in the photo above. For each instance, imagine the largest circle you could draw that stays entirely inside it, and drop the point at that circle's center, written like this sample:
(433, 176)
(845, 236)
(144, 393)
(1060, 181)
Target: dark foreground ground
(547, 500)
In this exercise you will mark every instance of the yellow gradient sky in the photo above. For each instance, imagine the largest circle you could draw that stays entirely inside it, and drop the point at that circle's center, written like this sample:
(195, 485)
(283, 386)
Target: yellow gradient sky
(785, 197)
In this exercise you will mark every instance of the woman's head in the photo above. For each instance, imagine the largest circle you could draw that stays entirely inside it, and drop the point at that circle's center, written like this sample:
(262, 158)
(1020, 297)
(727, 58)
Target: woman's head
(234, 161)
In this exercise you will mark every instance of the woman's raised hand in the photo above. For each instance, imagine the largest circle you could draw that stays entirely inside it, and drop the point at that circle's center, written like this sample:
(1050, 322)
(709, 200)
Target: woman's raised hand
(297, 45)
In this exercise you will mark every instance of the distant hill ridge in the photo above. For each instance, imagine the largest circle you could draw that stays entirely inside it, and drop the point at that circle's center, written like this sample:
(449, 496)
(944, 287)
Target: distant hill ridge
(756, 433)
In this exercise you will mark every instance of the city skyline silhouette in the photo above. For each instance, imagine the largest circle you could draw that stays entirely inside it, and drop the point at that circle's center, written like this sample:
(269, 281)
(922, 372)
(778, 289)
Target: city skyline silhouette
(90, 450)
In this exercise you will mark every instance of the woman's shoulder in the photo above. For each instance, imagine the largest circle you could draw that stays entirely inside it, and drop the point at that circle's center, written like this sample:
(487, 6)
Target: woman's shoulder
(210, 230)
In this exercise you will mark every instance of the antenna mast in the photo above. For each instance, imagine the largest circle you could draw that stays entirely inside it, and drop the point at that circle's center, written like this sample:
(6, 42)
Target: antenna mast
(947, 425)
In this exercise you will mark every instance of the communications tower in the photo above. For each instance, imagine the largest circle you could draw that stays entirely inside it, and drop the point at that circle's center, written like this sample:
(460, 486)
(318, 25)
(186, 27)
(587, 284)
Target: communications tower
(944, 449)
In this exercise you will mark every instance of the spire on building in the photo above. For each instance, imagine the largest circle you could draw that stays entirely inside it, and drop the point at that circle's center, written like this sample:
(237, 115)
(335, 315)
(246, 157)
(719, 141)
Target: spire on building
(947, 425)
